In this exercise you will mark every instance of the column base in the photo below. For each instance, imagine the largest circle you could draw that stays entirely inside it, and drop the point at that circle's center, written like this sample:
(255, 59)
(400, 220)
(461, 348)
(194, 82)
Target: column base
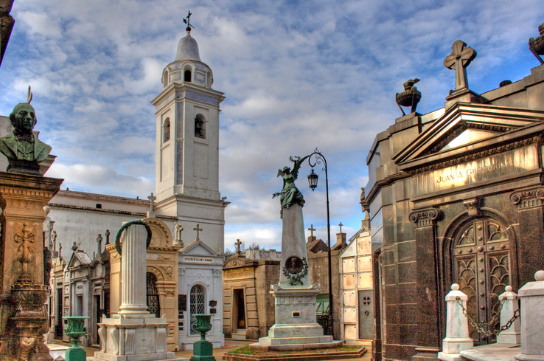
(133, 338)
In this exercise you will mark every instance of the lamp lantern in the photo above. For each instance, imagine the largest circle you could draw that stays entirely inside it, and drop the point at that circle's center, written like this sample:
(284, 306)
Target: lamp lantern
(312, 180)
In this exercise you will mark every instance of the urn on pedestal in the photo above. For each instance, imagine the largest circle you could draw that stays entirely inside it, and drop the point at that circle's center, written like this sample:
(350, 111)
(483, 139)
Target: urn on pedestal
(202, 349)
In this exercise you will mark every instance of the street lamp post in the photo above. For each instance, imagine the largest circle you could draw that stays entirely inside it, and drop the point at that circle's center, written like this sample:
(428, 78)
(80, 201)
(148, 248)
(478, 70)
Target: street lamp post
(318, 158)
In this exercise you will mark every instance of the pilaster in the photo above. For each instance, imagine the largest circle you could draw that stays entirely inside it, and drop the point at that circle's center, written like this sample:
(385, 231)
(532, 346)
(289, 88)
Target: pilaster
(530, 207)
(427, 298)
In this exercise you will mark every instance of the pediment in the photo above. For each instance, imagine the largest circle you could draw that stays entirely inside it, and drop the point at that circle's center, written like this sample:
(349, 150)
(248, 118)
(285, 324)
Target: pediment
(198, 248)
(237, 262)
(79, 259)
(463, 126)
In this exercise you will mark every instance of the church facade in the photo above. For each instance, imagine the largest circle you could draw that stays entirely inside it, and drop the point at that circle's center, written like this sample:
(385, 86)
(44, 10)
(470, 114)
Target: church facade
(184, 263)
(455, 196)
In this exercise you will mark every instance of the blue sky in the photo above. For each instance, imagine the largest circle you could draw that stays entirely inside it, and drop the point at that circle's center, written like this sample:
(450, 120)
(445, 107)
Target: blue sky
(297, 75)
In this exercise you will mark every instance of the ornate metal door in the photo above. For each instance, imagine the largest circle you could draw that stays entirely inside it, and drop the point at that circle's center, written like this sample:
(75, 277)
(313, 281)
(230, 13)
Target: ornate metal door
(153, 303)
(482, 270)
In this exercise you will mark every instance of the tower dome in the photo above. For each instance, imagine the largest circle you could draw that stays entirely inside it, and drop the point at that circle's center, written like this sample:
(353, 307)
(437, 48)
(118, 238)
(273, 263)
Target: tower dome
(188, 48)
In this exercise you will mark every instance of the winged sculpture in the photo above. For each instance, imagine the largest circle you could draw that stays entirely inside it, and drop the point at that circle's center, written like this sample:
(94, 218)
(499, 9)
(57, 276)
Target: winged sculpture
(290, 194)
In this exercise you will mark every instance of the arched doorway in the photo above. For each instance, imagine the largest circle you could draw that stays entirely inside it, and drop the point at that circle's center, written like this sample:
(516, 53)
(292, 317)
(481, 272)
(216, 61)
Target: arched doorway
(197, 303)
(481, 265)
(153, 303)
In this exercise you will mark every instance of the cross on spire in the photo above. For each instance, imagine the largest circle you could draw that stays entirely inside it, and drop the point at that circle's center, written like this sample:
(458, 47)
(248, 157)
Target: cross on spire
(198, 230)
(238, 244)
(187, 20)
(311, 229)
(460, 57)
(340, 227)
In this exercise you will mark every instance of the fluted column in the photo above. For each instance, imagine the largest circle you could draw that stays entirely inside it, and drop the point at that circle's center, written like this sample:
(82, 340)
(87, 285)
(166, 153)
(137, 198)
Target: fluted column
(133, 270)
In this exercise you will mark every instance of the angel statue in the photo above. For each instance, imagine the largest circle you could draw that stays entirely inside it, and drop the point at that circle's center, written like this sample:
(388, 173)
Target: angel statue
(290, 194)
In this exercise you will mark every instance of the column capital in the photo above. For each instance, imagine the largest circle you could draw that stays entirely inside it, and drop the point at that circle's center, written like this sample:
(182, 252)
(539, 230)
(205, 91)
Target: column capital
(528, 198)
(425, 217)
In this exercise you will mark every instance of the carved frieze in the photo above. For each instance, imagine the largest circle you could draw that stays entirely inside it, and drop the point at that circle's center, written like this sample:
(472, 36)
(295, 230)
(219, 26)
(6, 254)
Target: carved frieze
(425, 217)
(528, 198)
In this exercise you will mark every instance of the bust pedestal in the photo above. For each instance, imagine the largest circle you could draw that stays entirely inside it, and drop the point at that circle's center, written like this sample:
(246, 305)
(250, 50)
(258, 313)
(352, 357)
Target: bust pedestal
(24, 320)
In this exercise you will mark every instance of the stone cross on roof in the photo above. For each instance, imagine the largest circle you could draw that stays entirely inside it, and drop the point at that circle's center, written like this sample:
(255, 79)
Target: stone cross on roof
(460, 57)
(197, 229)
(238, 244)
(311, 229)
(340, 227)
(54, 239)
(179, 229)
(151, 212)
(107, 236)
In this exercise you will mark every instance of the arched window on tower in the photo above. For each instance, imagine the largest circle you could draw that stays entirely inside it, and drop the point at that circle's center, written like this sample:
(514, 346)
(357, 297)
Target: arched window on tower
(200, 126)
(166, 130)
(187, 76)
(197, 303)
(153, 295)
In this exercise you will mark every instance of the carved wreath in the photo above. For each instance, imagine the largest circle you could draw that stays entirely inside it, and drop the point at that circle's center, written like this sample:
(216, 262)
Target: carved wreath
(295, 278)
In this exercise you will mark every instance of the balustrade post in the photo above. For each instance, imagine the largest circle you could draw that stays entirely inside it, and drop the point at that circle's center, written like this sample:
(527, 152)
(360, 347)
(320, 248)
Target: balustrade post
(457, 334)
(512, 335)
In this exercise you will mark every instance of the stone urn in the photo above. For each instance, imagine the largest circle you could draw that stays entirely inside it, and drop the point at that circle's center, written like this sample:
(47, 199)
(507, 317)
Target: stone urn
(536, 45)
(75, 329)
(409, 97)
(202, 349)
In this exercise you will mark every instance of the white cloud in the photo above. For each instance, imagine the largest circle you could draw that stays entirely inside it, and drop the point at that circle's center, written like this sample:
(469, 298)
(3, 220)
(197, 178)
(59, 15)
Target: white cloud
(296, 75)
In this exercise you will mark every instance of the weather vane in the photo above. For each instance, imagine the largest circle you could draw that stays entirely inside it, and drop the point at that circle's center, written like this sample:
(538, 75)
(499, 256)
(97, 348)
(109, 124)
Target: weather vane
(187, 21)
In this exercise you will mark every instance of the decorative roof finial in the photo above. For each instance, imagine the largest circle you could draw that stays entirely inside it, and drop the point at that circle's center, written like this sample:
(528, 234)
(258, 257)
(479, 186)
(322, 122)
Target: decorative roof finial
(187, 20)
(536, 45)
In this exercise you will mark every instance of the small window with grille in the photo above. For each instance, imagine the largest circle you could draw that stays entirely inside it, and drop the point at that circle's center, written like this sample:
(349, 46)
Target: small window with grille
(197, 300)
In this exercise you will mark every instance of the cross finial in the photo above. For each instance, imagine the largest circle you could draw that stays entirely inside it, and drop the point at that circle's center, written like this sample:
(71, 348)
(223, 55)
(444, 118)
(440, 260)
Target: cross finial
(54, 239)
(187, 20)
(151, 212)
(311, 229)
(197, 229)
(107, 236)
(460, 57)
(238, 244)
(179, 229)
(340, 227)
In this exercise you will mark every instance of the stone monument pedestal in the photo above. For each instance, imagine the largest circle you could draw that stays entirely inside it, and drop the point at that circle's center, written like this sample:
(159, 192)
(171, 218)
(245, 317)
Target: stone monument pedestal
(134, 338)
(296, 326)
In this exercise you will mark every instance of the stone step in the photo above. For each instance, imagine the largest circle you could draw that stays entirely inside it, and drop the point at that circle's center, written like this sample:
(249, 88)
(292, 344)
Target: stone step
(240, 334)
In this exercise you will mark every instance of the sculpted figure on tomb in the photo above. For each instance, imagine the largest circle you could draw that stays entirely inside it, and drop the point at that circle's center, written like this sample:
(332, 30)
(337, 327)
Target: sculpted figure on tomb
(290, 194)
(22, 148)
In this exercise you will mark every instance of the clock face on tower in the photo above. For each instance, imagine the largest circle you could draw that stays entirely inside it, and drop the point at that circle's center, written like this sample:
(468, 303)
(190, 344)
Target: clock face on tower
(293, 264)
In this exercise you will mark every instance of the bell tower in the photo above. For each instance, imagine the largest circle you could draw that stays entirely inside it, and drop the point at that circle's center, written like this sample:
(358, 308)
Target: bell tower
(187, 145)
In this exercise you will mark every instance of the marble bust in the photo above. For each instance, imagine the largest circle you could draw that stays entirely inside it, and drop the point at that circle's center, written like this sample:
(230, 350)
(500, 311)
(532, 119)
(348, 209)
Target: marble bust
(22, 148)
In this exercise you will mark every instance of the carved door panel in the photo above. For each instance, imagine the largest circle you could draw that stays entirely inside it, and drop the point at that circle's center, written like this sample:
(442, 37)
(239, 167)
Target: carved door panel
(482, 270)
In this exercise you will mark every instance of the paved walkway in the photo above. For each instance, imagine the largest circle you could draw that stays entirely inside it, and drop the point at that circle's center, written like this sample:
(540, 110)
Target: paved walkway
(217, 352)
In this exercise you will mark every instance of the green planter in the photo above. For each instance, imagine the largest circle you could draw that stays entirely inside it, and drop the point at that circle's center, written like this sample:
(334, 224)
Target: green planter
(202, 349)
(74, 330)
